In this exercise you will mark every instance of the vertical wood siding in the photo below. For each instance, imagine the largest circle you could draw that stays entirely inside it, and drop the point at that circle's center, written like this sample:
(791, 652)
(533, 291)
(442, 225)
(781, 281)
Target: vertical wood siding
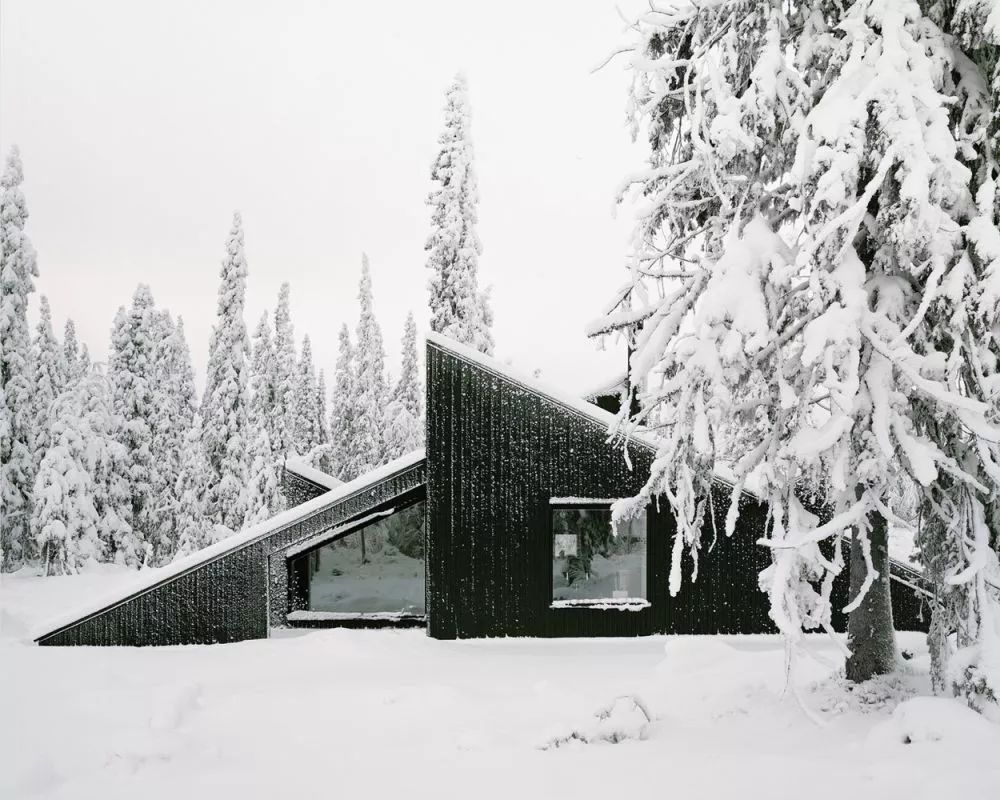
(497, 453)
(224, 600)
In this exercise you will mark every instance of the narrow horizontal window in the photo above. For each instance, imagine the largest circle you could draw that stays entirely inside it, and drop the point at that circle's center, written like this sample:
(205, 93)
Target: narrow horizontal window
(596, 565)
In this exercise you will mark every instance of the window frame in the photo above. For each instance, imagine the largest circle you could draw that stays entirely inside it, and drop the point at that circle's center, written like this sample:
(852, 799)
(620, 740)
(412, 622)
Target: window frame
(596, 604)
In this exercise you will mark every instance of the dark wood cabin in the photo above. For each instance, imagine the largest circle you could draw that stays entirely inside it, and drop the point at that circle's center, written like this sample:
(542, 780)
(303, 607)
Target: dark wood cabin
(502, 528)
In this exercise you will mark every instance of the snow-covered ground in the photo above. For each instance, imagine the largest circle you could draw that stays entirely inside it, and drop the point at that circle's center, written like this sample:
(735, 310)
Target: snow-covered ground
(383, 714)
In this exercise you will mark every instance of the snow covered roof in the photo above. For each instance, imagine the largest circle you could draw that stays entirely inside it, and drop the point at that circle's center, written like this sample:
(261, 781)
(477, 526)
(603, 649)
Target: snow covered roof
(147, 579)
(311, 474)
(606, 387)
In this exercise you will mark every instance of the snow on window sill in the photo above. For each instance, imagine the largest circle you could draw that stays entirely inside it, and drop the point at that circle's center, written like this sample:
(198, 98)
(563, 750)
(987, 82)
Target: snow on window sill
(604, 604)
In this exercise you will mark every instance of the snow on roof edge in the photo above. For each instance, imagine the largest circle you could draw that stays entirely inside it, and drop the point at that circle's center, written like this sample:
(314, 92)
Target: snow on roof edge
(147, 579)
(570, 401)
(310, 473)
(607, 387)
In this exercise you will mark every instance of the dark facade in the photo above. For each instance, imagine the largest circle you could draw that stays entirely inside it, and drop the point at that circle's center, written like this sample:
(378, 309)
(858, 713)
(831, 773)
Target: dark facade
(241, 592)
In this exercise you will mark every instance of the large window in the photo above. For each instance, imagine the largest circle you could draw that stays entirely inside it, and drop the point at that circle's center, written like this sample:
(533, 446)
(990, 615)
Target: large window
(377, 569)
(594, 562)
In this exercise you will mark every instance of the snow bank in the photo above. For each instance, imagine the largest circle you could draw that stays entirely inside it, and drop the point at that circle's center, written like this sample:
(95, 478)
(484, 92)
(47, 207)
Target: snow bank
(922, 720)
(148, 578)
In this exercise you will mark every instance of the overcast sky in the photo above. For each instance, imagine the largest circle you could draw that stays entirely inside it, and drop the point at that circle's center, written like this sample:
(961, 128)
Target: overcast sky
(143, 125)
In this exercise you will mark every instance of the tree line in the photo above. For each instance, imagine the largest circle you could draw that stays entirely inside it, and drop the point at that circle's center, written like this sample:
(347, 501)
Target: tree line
(123, 461)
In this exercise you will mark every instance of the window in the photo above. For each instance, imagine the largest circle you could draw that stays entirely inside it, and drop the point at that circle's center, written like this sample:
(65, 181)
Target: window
(375, 570)
(594, 563)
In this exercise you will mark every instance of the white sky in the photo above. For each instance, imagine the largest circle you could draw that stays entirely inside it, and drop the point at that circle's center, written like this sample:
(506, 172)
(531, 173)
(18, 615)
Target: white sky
(143, 126)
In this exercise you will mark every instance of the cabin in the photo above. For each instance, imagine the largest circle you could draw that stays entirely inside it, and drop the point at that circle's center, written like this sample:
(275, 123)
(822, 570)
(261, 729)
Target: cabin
(500, 527)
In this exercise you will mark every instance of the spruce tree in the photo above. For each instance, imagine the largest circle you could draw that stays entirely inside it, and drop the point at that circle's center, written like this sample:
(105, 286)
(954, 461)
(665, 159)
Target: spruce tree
(343, 409)
(194, 525)
(404, 415)
(264, 497)
(306, 411)
(49, 377)
(801, 274)
(137, 400)
(71, 354)
(370, 391)
(322, 422)
(175, 405)
(18, 266)
(283, 432)
(458, 308)
(263, 385)
(108, 466)
(226, 406)
(65, 520)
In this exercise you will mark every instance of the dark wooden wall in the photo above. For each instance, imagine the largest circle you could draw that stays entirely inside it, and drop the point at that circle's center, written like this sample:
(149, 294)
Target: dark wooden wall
(231, 597)
(496, 453)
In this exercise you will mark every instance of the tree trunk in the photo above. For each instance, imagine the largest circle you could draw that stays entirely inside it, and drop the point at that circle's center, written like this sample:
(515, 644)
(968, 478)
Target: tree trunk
(870, 633)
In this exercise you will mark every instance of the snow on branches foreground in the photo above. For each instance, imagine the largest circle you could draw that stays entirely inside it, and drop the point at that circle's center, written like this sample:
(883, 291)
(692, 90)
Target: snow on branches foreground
(815, 287)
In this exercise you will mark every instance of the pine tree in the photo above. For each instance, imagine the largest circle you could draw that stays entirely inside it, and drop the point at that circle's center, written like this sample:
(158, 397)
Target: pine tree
(65, 521)
(263, 387)
(226, 406)
(194, 525)
(71, 354)
(136, 379)
(404, 415)
(306, 412)
(343, 410)
(49, 377)
(85, 364)
(800, 273)
(283, 432)
(322, 423)
(108, 465)
(458, 308)
(175, 407)
(370, 390)
(18, 266)
(264, 497)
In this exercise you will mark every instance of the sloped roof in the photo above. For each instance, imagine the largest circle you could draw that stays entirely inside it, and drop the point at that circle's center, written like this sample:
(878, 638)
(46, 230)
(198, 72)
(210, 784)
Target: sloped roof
(148, 579)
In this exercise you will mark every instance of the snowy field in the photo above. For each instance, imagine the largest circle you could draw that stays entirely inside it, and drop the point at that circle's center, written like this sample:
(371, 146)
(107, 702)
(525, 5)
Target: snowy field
(381, 714)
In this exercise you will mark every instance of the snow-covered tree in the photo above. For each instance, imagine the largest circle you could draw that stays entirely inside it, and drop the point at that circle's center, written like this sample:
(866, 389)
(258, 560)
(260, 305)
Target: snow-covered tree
(135, 379)
(404, 414)
(458, 308)
(370, 389)
(322, 411)
(343, 409)
(18, 265)
(65, 521)
(49, 378)
(263, 377)
(305, 410)
(226, 406)
(194, 525)
(71, 354)
(264, 497)
(108, 465)
(175, 406)
(283, 431)
(801, 274)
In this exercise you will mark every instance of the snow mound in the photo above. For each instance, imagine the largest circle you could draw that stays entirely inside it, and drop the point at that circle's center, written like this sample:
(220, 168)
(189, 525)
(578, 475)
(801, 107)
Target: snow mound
(625, 719)
(693, 655)
(936, 719)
